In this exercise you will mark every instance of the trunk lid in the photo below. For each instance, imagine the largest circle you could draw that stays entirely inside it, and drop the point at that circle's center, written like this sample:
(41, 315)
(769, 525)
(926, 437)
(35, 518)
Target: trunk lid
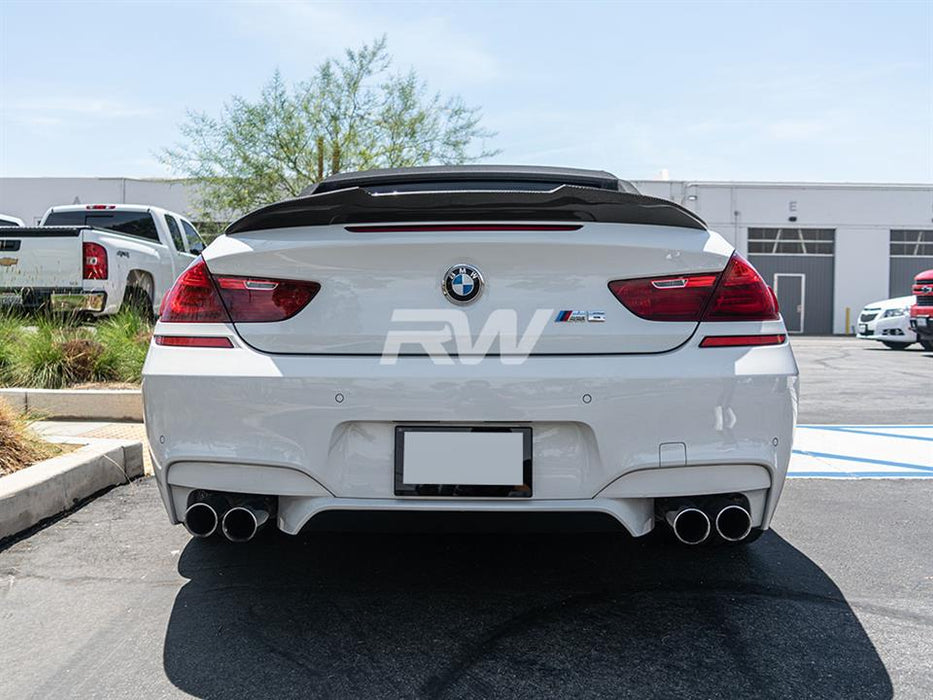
(369, 278)
(33, 257)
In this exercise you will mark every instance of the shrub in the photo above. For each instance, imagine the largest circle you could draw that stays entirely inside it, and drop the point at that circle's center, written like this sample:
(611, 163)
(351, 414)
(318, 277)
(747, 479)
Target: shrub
(11, 328)
(39, 357)
(18, 447)
(81, 357)
(59, 351)
(125, 342)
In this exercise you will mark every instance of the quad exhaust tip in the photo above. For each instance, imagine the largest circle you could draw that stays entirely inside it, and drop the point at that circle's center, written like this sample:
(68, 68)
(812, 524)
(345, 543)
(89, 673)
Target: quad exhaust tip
(690, 525)
(201, 519)
(733, 523)
(241, 523)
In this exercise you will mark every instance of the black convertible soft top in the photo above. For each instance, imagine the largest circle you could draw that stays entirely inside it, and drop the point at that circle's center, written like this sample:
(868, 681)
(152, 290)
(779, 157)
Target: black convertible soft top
(469, 193)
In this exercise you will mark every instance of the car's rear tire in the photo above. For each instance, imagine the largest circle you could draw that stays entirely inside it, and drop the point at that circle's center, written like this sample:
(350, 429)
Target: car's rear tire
(895, 346)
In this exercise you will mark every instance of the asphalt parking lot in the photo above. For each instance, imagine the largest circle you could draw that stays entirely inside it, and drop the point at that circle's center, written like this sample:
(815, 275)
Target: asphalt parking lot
(846, 380)
(835, 601)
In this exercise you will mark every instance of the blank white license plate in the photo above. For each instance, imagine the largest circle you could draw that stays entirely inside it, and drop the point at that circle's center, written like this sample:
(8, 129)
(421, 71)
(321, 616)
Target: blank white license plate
(494, 459)
(463, 462)
(862, 327)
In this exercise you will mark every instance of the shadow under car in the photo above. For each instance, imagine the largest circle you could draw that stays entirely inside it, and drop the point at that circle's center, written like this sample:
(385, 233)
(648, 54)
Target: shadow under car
(477, 615)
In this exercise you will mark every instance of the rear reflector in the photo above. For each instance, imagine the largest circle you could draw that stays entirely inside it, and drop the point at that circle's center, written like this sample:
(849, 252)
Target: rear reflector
(731, 341)
(199, 297)
(191, 341)
(738, 293)
(417, 228)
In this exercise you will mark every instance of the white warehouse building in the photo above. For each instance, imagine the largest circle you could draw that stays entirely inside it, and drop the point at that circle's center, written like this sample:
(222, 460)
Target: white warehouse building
(826, 249)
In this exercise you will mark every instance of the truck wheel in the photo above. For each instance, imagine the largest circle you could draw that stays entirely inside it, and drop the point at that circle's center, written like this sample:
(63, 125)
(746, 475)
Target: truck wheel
(927, 344)
(895, 346)
(138, 300)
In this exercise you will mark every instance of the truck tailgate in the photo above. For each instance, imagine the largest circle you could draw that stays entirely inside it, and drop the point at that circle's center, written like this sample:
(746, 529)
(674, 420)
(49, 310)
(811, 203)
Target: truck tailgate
(41, 257)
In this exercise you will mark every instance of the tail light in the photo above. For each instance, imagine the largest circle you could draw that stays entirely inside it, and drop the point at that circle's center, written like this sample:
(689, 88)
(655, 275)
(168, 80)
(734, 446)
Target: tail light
(95, 262)
(193, 298)
(742, 295)
(738, 293)
(199, 297)
(440, 228)
(254, 300)
(666, 299)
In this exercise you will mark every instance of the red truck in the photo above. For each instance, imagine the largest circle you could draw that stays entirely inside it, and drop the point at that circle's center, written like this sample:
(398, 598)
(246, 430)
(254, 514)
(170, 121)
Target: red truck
(921, 313)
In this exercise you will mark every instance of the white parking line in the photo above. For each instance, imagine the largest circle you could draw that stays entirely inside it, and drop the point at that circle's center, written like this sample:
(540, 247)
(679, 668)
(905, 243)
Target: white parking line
(862, 452)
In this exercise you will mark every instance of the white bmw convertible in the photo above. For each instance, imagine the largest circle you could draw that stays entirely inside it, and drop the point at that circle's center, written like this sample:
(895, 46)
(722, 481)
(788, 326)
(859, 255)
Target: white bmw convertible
(472, 339)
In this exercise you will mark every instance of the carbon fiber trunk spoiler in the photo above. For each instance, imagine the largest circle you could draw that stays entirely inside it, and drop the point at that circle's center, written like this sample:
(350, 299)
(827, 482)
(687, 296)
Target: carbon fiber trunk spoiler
(356, 205)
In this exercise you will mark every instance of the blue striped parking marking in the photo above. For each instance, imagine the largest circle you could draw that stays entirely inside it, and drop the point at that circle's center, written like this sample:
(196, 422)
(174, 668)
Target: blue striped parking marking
(858, 475)
(863, 460)
(862, 451)
(859, 431)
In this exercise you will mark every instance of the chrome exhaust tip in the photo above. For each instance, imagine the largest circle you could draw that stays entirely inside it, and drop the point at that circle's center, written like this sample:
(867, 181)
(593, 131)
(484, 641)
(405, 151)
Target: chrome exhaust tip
(733, 523)
(241, 523)
(690, 525)
(201, 519)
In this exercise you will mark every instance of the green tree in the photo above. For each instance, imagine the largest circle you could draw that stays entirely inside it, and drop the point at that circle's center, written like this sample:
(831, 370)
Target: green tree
(353, 114)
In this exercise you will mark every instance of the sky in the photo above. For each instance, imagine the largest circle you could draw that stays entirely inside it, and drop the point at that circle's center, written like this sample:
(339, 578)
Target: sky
(769, 91)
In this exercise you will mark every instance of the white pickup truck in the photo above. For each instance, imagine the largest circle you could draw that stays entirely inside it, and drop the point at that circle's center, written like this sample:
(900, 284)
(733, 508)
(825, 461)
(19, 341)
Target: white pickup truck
(96, 258)
(7, 220)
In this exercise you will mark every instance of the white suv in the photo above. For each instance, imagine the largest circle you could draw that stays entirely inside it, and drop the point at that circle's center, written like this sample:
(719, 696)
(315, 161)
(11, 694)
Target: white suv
(888, 321)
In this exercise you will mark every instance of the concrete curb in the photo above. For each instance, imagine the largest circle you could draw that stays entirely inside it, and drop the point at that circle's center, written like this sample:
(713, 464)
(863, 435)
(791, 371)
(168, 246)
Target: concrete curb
(87, 404)
(48, 488)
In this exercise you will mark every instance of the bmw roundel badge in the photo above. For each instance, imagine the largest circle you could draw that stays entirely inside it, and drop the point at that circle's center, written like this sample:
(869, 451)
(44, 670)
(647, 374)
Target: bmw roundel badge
(462, 284)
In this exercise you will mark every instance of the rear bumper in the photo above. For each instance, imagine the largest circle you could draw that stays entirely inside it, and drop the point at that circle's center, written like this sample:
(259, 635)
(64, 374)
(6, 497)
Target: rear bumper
(56, 298)
(610, 433)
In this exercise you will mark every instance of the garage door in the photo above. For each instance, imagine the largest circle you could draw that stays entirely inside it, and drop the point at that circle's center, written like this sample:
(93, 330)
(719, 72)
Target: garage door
(798, 263)
(911, 252)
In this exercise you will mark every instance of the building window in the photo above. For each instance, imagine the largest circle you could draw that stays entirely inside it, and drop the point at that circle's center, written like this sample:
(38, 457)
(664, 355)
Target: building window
(791, 241)
(911, 243)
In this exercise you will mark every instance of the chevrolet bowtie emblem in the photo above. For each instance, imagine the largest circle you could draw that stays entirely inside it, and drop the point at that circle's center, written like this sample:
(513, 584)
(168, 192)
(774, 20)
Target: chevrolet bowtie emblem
(8, 262)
